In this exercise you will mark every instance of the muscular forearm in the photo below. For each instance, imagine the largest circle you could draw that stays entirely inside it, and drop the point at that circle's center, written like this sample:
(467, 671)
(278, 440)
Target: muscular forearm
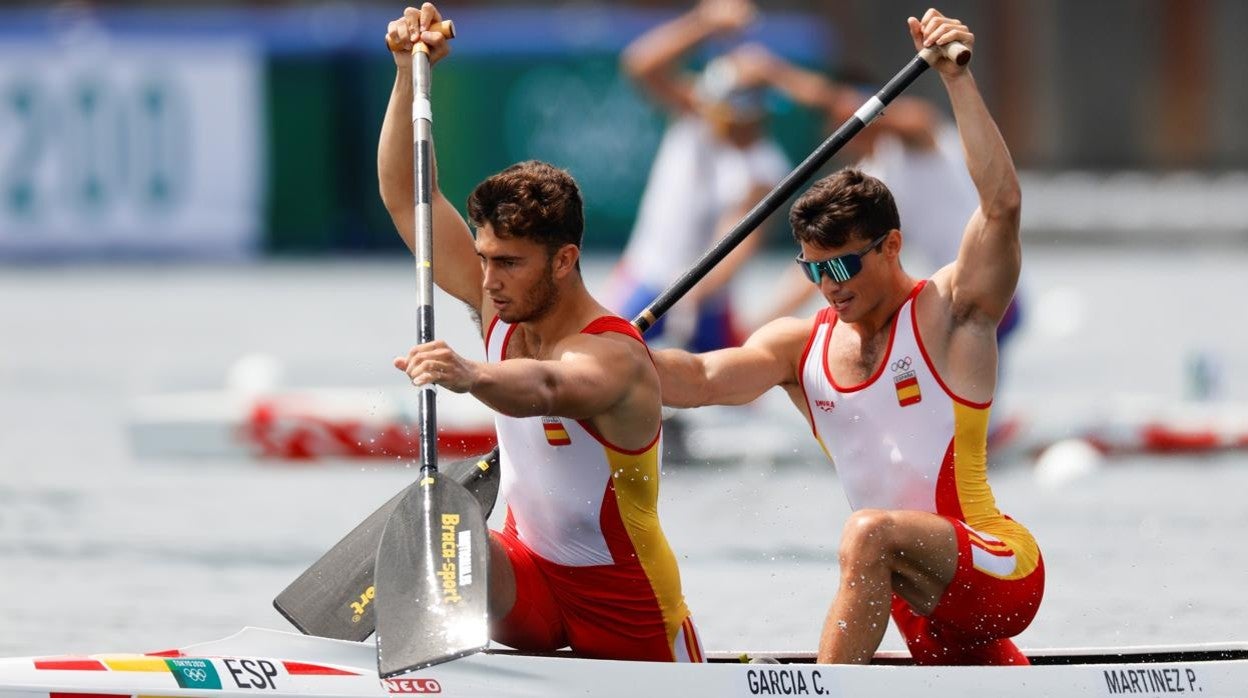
(987, 157)
(732, 376)
(987, 267)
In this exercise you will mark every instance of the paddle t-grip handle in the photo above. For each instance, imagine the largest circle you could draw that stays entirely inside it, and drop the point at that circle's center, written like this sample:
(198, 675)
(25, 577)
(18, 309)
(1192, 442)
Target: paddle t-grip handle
(955, 51)
(446, 28)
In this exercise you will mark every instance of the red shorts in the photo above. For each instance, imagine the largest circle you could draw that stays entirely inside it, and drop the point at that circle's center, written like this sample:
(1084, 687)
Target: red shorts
(601, 612)
(976, 616)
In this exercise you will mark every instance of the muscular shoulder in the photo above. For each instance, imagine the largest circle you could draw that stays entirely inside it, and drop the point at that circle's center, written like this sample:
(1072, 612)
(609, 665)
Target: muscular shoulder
(614, 371)
(937, 293)
(614, 350)
(782, 340)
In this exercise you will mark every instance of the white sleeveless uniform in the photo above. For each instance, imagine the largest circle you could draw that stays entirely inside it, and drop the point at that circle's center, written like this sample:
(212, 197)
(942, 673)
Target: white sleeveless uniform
(902, 440)
(586, 514)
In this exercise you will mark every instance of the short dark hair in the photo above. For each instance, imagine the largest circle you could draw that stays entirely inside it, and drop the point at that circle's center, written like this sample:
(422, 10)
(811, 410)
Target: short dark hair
(844, 205)
(532, 200)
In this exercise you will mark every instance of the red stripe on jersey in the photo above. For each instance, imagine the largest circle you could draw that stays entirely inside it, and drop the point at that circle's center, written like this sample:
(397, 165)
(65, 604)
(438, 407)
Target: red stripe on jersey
(612, 323)
(947, 502)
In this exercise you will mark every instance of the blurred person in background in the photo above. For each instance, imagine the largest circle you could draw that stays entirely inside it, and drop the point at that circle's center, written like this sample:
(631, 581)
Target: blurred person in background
(896, 377)
(715, 162)
(582, 560)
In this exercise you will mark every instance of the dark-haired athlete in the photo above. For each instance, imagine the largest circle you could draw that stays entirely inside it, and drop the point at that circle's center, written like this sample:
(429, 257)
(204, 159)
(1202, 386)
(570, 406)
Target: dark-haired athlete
(896, 378)
(582, 560)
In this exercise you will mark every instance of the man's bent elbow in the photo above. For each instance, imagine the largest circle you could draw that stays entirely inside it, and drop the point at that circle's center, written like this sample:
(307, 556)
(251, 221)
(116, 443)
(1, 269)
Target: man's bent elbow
(1006, 205)
(681, 400)
(390, 201)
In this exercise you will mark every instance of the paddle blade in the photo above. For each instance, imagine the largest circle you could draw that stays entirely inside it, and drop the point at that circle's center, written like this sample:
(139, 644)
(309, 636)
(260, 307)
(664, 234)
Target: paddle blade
(480, 476)
(334, 597)
(432, 601)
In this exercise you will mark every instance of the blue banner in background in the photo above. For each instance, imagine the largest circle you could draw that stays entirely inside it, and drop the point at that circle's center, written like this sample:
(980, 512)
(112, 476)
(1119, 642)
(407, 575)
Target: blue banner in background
(148, 147)
(217, 133)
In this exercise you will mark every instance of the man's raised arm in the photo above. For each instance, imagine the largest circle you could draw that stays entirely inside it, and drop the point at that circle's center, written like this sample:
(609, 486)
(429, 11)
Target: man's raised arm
(986, 271)
(456, 267)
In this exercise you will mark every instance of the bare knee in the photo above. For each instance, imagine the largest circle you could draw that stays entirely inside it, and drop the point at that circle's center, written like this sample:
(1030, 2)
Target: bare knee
(867, 540)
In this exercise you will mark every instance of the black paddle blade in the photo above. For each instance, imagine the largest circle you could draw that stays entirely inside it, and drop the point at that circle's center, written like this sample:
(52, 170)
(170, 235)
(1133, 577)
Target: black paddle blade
(480, 476)
(432, 601)
(334, 597)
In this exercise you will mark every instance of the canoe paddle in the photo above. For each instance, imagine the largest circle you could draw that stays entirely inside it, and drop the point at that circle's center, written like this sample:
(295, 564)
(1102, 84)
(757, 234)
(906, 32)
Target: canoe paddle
(430, 575)
(323, 600)
(334, 597)
(955, 50)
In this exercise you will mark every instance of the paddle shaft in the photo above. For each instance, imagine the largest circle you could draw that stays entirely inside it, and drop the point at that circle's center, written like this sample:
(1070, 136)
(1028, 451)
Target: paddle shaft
(956, 51)
(422, 181)
(422, 135)
(431, 608)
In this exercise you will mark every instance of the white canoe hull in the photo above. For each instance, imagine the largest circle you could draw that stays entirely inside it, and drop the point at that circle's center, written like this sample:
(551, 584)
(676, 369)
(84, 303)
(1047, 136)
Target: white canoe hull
(277, 664)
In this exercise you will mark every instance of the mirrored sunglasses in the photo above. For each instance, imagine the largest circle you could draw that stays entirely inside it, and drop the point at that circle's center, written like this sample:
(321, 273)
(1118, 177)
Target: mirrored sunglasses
(841, 268)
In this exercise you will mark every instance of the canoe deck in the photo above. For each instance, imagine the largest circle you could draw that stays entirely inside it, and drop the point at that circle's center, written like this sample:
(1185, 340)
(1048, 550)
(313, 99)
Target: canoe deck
(288, 665)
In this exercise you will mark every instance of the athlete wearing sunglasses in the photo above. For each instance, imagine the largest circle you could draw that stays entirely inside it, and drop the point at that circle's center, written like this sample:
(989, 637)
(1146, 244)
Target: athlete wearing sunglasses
(841, 268)
(895, 378)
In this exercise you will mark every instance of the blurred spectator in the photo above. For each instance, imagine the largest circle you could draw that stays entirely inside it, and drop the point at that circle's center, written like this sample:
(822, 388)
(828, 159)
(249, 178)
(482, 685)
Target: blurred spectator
(714, 163)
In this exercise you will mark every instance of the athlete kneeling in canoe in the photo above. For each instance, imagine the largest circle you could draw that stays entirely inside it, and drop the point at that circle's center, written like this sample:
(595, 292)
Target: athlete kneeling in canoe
(896, 379)
(582, 560)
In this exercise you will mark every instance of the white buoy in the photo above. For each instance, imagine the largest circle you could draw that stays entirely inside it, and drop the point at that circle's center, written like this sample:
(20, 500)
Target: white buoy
(1065, 462)
(254, 374)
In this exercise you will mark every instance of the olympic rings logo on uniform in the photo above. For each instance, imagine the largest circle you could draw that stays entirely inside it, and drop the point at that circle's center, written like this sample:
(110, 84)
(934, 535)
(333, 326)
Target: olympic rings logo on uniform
(902, 364)
(195, 674)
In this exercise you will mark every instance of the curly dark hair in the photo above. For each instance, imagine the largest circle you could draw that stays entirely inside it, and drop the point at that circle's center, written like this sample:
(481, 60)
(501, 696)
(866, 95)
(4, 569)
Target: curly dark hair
(847, 204)
(532, 200)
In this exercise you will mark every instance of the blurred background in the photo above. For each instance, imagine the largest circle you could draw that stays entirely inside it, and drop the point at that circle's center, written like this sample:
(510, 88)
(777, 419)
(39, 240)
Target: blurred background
(189, 219)
(239, 129)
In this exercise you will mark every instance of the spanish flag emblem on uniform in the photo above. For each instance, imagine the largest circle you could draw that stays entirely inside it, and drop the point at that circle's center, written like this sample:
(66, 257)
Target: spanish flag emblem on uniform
(907, 389)
(556, 435)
